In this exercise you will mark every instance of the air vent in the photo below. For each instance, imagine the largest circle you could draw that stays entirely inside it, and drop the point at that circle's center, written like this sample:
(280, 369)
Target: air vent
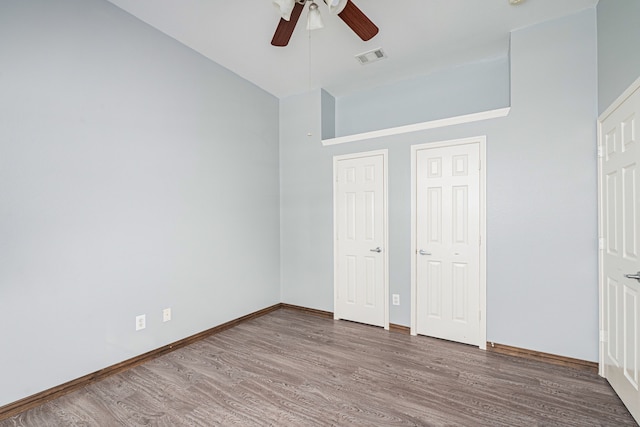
(371, 56)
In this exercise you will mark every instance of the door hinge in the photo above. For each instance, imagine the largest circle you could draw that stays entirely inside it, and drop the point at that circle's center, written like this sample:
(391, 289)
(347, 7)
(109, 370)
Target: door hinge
(604, 336)
(601, 243)
(600, 155)
(480, 315)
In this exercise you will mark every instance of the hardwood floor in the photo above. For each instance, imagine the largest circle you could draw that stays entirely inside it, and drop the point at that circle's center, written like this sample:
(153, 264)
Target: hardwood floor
(293, 368)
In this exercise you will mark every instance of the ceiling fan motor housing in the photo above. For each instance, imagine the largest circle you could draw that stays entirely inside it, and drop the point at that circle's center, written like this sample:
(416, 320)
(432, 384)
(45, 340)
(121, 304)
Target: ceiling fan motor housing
(345, 9)
(336, 6)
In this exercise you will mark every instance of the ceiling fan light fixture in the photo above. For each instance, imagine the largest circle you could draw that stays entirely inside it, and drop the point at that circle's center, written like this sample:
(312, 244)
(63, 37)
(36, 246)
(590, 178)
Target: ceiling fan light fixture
(314, 19)
(285, 7)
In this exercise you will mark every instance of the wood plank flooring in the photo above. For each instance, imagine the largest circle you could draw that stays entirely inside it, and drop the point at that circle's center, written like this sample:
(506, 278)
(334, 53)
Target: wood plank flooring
(290, 368)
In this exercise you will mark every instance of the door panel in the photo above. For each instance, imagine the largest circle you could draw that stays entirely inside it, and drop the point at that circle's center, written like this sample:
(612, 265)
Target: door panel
(631, 336)
(613, 344)
(434, 290)
(629, 213)
(360, 221)
(619, 206)
(447, 239)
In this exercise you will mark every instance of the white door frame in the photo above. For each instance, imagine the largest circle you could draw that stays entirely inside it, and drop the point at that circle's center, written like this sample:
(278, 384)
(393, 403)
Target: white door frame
(614, 105)
(385, 252)
(481, 141)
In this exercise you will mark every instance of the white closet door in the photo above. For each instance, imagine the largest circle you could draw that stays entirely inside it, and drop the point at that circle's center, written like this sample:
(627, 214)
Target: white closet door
(360, 219)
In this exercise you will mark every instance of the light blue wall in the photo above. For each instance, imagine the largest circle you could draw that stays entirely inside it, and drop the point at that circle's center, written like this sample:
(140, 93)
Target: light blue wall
(306, 221)
(542, 236)
(618, 44)
(541, 209)
(328, 114)
(134, 175)
(457, 91)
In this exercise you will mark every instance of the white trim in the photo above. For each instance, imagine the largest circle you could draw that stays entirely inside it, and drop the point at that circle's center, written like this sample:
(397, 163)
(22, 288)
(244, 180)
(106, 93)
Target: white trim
(385, 252)
(482, 142)
(613, 107)
(600, 255)
(619, 100)
(433, 124)
(483, 242)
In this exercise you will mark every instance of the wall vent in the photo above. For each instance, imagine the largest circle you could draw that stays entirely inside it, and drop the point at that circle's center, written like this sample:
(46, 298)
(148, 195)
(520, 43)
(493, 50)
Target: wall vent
(371, 56)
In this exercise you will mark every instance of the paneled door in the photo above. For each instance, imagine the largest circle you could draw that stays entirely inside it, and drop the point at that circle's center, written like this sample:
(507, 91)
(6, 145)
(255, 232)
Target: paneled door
(447, 242)
(360, 211)
(619, 181)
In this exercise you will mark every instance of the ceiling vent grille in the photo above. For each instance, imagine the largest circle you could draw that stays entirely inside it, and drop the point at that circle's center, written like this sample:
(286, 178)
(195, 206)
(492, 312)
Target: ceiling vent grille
(371, 56)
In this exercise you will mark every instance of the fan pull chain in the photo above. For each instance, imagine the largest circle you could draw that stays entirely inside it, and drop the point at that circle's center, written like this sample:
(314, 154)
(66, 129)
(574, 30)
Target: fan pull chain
(309, 53)
(309, 83)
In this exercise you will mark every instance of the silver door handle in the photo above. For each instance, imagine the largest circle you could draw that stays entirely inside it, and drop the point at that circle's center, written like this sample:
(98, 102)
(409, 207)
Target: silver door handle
(421, 252)
(376, 250)
(633, 276)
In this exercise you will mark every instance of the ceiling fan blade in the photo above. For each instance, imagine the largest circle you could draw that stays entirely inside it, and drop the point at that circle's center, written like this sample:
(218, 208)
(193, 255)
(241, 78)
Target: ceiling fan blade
(358, 21)
(285, 28)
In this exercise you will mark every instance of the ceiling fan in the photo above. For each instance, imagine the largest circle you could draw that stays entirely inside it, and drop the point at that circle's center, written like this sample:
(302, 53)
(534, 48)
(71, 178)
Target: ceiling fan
(290, 11)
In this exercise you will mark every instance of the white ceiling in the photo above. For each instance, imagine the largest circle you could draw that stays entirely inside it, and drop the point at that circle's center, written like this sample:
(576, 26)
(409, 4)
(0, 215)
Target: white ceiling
(418, 36)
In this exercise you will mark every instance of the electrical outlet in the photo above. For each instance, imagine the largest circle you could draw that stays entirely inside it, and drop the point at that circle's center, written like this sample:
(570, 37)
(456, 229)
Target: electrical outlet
(166, 314)
(141, 322)
(396, 299)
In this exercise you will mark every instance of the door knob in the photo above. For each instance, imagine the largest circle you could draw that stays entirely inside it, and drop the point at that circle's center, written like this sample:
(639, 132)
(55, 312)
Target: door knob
(376, 249)
(633, 276)
(421, 252)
